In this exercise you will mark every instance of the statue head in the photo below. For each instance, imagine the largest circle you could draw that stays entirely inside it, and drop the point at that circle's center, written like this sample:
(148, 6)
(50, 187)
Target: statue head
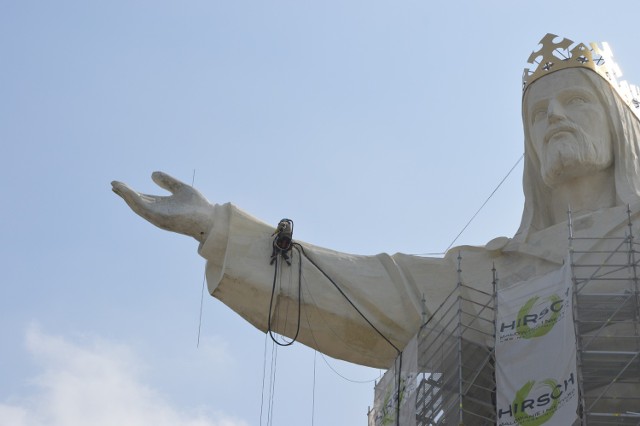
(568, 126)
(578, 120)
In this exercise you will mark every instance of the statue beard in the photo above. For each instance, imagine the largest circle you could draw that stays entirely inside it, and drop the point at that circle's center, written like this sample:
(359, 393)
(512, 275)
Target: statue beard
(573, 155)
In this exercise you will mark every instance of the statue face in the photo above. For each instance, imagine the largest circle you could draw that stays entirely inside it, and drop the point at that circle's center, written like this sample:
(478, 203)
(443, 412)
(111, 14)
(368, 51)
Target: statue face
(568, 126)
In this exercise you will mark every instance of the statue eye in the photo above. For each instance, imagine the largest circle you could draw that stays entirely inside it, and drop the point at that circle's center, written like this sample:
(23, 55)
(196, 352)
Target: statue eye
(538, 115)
(577, 100)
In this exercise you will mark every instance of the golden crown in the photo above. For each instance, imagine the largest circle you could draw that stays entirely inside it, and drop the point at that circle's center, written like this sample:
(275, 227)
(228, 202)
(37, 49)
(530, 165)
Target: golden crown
(555, 56)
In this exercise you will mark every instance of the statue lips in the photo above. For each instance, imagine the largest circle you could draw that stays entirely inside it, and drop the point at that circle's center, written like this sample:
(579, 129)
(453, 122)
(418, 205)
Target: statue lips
(557, 130)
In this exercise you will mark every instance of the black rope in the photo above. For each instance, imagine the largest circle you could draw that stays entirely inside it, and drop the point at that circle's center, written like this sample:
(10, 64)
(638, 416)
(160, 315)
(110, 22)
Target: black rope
(273, 292)
(300, 247)
(399, 372)
(399, 391)
(335, 333)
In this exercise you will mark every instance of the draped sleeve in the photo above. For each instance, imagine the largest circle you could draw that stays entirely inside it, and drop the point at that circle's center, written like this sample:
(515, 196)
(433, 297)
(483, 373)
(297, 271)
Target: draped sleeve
(361, 309)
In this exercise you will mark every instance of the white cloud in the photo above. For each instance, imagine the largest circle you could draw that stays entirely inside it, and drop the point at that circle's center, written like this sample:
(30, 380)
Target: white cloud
(96, 384)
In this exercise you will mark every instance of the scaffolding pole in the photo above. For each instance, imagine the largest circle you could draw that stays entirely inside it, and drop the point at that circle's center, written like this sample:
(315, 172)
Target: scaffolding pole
(606, 316)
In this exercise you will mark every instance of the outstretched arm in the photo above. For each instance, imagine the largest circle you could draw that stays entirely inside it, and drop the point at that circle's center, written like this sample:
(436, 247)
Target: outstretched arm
(186, 211)
(385, 289)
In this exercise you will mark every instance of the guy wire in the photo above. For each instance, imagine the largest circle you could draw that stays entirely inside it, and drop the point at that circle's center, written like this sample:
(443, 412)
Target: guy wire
(204, 279)
(264, 375)
(485, 203)
(313, 393)
(272, 384)
(475, 214)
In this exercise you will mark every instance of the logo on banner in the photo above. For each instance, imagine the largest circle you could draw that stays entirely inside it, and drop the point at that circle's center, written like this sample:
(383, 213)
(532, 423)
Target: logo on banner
(536, 402)
(536, 318)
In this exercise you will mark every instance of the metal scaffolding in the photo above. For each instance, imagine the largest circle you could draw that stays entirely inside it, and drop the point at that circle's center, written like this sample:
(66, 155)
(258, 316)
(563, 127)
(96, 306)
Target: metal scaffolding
(455, 380)
(455, 344)
(607, 320)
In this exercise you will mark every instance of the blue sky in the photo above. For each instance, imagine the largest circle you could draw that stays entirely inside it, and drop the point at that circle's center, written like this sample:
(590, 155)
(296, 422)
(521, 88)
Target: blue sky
(376, 126)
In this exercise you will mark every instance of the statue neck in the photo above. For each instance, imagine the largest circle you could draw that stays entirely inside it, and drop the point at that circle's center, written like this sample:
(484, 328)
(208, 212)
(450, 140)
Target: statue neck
(584, 194)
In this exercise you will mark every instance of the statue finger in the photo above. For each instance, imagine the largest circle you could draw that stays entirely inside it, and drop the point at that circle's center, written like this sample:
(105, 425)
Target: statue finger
(123, 190)
(167, 182)
(139, 203)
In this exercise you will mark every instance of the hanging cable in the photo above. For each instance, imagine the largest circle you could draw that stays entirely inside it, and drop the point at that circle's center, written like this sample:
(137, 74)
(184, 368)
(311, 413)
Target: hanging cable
(324, 358)
(276, 269)
(264, 375)
(274, 365)
(282, 247)
(335, 333)
(399, 386)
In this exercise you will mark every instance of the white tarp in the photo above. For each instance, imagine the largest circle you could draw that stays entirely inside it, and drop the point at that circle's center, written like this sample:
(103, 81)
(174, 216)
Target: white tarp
(385, 406)
(536, 352)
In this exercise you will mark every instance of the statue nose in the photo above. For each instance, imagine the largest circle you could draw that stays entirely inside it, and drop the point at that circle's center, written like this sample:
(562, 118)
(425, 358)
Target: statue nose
(555, 111)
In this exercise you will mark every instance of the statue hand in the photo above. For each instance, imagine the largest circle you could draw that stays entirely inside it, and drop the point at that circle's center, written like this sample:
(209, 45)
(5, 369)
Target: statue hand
(185, 211)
